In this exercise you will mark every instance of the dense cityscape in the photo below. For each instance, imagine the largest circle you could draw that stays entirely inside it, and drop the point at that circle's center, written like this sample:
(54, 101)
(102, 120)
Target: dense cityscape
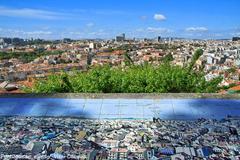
(23, 61)
(72, 138)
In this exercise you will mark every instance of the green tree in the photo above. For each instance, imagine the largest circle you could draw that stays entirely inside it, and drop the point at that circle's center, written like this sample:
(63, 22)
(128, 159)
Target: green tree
(127, 59)
(198, 53)
(54, 84)
(232, 70)
(167, 58)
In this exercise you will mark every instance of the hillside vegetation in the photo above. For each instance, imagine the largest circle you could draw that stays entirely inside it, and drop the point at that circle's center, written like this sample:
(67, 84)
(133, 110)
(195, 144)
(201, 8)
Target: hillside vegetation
(165, 78)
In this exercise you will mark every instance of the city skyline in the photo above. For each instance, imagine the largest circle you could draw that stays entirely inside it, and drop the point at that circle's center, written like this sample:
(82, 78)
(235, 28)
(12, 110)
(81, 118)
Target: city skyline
(202, 19)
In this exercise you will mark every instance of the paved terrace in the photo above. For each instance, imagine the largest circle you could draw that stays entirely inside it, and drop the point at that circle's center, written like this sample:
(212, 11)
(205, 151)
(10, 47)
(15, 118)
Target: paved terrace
(122, 106)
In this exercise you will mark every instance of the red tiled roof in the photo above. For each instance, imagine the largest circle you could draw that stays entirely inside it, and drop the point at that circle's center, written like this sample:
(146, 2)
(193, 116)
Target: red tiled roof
(236, 88)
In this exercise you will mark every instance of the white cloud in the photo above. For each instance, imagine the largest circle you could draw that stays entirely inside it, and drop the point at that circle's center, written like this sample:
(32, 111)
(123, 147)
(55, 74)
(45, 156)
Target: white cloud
(196, 29)
(158, 30)
(90, 24)
(30, 13)
(75, 33)
(159, 17)
(139, 30)
(143, 17)
(86, 34)
(100, 32)
(25, 34)
(153, 31)
(38, 33)
(236, 34)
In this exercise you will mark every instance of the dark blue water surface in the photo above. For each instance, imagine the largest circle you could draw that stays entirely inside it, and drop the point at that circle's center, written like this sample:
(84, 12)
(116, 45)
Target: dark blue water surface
(184, 109)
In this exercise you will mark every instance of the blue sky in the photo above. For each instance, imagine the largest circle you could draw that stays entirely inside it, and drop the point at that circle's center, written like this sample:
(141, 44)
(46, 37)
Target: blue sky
(54, 19)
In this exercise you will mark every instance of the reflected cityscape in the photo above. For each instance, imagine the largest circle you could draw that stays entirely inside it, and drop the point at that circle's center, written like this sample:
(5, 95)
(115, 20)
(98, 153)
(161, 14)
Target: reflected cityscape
(119, 129)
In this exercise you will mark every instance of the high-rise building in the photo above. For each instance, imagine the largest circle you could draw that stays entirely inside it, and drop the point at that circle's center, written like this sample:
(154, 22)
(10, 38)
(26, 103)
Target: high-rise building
(6, 40)
(123, 35)
(66, 40)
(236, 39)
(92, 45)
(159, 39)
(1, 40)
(120, 38)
